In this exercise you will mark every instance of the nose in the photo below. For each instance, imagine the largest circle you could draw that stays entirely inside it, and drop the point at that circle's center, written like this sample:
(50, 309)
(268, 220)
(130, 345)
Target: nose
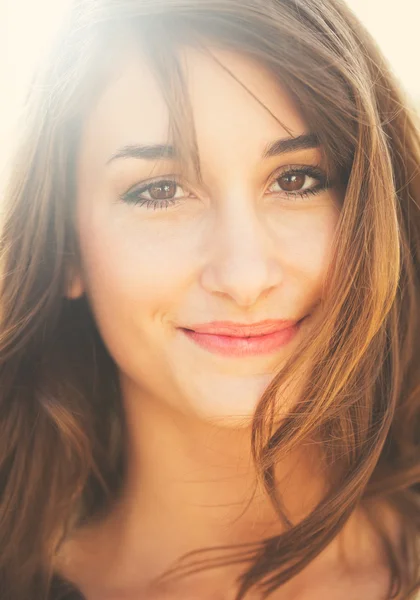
(244, 265)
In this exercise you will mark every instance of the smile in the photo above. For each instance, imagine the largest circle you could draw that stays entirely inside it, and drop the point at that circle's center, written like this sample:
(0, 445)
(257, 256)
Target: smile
(232, 343)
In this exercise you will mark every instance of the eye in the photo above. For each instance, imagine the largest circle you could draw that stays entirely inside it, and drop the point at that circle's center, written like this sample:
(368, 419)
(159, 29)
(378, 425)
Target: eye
(299, 182)
(161, 193)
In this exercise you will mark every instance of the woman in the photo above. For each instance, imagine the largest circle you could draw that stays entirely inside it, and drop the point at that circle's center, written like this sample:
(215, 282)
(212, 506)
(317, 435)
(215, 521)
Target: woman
(210, 332)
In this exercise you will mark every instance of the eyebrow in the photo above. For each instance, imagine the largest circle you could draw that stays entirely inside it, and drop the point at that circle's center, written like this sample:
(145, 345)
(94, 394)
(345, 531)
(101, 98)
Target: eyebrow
(292, 144)
(145, 152)
(165, 151)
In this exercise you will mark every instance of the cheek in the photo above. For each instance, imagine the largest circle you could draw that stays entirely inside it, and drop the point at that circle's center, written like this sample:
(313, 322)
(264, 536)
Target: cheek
(317, 244)
(137, 272)
(131, 263)
(132, 279)
(308, 243)
(304, 238)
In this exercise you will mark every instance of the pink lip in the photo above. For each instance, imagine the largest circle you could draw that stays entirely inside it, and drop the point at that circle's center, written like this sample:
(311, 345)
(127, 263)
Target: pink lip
(233, 339)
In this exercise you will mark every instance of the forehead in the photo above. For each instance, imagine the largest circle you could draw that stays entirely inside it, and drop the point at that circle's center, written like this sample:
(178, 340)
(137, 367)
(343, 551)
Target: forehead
(238, 106)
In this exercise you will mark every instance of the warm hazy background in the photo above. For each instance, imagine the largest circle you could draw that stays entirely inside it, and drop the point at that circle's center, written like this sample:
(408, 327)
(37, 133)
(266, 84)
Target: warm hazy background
(27, 26)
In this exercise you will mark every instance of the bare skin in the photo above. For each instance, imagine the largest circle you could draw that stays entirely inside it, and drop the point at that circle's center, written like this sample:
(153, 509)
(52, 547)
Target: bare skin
(351, 568)
(237, 249)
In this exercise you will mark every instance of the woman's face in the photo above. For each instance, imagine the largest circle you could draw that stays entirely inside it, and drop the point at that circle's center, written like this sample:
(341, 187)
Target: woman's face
(163, 258)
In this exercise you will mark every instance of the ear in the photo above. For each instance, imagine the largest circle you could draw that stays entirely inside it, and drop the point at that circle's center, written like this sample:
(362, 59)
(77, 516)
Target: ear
(74, 284)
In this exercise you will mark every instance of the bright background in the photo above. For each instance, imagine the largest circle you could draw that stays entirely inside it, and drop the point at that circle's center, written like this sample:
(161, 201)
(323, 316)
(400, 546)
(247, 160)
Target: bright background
(27, 27)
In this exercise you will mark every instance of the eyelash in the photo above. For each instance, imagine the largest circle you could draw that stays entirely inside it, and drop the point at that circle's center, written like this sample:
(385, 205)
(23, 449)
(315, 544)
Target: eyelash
(132, 196)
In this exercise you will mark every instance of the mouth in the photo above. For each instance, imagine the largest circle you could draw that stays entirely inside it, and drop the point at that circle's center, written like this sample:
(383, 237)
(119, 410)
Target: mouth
(230, 339)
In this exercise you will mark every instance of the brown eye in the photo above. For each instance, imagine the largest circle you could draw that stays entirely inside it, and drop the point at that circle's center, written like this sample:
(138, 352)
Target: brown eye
(292, 182)
(162, 190)
(161, 193)
(299, 182)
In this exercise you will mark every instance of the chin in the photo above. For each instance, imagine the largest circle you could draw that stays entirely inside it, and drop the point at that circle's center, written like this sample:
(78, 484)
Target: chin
(228, 402)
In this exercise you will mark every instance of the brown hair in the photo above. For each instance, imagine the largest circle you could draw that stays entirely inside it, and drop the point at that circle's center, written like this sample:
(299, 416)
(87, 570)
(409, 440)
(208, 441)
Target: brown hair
(61, 452)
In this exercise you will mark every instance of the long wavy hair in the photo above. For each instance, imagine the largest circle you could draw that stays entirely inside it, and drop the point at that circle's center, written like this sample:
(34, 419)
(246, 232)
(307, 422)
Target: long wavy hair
(62, 458)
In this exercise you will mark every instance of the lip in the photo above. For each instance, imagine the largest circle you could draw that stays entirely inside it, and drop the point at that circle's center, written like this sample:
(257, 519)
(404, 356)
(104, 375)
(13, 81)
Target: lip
(236, 339)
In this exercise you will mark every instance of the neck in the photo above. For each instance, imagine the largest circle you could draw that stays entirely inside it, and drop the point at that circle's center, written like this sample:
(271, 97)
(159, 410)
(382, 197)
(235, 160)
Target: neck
(192, 484)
